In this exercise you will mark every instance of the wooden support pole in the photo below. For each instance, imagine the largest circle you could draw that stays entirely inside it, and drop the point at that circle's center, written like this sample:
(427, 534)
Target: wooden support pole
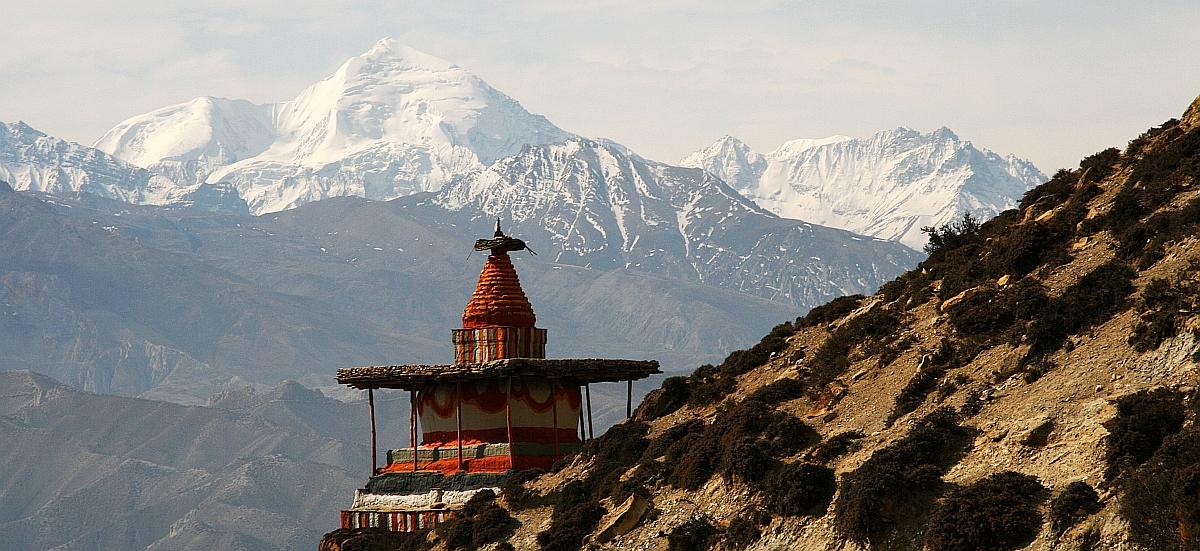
(374, 452)
(412, 424)
(629, 398)
(554, 407)
(579, 427)
(458, 412)
(508, 423)
(588, 390)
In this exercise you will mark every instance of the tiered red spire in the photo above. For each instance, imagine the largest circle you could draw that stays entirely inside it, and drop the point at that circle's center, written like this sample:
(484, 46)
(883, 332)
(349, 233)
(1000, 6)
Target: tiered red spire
(498, 300)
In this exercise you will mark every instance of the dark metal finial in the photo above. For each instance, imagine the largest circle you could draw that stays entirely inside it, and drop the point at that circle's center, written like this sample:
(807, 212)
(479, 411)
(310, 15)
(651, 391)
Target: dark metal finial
(500, 243)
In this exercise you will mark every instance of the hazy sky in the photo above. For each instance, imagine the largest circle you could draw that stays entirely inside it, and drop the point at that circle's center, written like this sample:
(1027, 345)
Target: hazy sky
(1049, 81)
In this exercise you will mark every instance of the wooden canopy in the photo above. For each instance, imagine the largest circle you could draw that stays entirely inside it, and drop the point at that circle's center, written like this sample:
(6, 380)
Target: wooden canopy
(412, 377)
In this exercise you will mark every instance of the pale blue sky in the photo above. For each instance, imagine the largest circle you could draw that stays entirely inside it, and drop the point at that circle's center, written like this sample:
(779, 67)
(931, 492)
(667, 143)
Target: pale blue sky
(1050, 81)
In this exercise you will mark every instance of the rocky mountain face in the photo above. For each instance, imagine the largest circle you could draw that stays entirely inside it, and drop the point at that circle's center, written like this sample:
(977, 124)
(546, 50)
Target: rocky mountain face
(175, 303)
(597, 204)
(91, 472)
(1032, 385)
(388, 123)
(889, 185)
(31, 160)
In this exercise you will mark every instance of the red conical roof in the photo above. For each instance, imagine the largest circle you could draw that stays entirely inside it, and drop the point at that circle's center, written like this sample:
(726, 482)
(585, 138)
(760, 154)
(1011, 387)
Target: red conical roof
(498, 300)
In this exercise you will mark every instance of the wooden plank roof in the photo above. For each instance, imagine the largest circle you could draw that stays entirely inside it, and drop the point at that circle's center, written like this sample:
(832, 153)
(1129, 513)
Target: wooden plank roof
(419, 375)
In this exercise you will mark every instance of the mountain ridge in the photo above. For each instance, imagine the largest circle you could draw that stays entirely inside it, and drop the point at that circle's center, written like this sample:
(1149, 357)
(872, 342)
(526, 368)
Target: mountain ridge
(889, 185)
(387, 123)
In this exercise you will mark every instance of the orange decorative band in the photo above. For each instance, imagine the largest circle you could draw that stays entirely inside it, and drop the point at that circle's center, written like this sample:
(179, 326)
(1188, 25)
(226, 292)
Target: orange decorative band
(497, 343)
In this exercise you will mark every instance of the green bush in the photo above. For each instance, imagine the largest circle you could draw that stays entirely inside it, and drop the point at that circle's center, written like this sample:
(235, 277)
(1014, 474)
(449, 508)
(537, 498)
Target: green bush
(998, 513)
(952, 235)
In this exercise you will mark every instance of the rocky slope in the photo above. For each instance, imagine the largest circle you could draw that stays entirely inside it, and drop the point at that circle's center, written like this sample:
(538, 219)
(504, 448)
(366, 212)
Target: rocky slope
(889, 185)
(388, 123)
(1032, 385)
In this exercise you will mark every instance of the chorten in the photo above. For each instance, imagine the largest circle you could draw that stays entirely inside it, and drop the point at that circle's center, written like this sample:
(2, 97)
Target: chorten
(501, 407)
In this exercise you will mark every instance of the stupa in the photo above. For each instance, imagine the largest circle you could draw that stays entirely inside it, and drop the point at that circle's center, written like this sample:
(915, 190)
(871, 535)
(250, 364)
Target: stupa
(501, 407)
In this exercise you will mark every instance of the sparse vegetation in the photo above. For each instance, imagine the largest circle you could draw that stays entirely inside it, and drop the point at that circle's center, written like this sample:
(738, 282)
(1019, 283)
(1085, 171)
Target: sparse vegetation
(779, 391)
(695, 534)
(1161, 498)
(665, 400)
(930, 371)
(998, 513)
(952, 235)
(798, 489)
(710, 384)
(570, 526)
(481, 522)
(831, 311)
(898, 483)
(1143, 420)
(745, 529)
(870, 332)
(1090, 301)
(1075, 502)
(1165, 306)
(836, 446)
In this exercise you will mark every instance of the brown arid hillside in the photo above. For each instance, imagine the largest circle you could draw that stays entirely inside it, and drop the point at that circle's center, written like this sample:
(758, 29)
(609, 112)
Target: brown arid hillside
(1031, 385)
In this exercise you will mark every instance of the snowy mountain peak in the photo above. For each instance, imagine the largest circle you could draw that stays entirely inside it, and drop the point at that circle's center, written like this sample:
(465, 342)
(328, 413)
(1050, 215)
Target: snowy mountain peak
(888, 185)
(387, 123)
(729, 158)
(592, 203)
(392, 51)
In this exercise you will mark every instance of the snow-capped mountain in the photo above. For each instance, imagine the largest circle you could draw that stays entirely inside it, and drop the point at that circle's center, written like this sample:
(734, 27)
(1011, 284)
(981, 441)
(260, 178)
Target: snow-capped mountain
(887, 186)
(388, 123)
(31, 160)
(188, 141)
(602, 206)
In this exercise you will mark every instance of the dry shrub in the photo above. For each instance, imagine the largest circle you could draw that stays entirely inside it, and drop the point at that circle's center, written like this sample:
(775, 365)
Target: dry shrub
(1075, 502)
(1161, 497)
(999, 513)
(898, 483)
(481, 522)
(798, 489)
(693, 535)
(1143, 420)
